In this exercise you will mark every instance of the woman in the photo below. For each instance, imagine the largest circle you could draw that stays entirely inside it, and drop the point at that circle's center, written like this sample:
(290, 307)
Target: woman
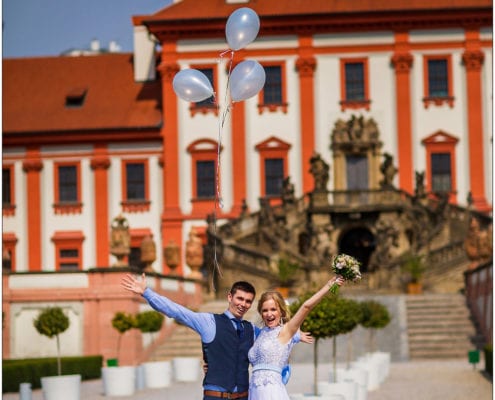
(273, 345)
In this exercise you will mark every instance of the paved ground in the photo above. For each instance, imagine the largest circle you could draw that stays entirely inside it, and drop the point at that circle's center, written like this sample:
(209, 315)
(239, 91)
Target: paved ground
(418, 380)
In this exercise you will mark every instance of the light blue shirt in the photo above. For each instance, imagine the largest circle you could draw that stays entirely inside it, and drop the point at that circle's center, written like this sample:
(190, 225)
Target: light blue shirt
(202, 323)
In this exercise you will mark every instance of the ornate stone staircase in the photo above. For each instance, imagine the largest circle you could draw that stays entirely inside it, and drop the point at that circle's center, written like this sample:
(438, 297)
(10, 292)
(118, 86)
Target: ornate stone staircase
(439, 326)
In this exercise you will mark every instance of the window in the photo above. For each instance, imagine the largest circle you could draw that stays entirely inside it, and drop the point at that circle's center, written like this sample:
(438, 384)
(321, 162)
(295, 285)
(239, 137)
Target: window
(68, 250)
(273, 166)
(9, 242)
(8, 201)
(354, 84)
(208, 105)
(135, 186)
(205, 179)
(440, 172)
(204, 154)
(75, 98)
(354, 81)
(68, 259)
(135, 181)
(357, 172)
(274, 176)
(272, 97)
(441, 164)
(272, 91)
(67, 183)
(67, 188)
(437, 78)
(210, 101)
(6, 182)
(438, 81)
(135, 256)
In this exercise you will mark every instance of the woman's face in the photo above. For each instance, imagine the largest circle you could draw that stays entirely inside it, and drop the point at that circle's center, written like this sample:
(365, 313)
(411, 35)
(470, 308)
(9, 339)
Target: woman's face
(270, 313)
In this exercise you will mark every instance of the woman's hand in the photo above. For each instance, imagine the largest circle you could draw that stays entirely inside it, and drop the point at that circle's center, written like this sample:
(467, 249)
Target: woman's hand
(336, 280)
(130, 283)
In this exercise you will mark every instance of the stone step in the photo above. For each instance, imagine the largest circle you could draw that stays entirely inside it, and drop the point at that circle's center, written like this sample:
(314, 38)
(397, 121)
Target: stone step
(439, 354)
(439, 326)
(444, 331)
(438, 320)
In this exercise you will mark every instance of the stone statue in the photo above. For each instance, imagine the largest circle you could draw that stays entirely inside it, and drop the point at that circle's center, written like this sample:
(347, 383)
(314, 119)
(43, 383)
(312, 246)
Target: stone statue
(478, 243)
(387, 238)
(320, 171)
(194, 254)
(388, 170)
(120, 239)
(287, 191)
(419, 190)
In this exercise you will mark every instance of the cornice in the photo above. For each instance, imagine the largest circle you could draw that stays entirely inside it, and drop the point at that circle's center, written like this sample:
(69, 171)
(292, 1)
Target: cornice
(328, 23)
(80, 136)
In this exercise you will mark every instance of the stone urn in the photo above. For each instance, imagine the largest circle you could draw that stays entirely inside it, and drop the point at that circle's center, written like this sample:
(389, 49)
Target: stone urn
(148, 253)
(120, 240)
(194, 254)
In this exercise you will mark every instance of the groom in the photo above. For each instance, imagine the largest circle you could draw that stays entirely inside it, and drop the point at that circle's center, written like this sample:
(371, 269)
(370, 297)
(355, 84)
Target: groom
(226, 338)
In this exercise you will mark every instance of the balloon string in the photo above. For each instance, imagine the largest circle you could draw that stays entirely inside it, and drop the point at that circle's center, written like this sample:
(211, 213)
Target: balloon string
(218, 197)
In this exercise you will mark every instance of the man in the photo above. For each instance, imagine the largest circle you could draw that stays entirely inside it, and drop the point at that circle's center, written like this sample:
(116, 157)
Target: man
(226, 338)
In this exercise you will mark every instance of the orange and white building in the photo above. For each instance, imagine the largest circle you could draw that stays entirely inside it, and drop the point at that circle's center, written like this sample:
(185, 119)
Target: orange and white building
(86, 139)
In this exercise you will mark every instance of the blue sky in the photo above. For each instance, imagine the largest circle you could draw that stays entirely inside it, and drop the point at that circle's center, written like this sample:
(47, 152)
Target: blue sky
(34, 28)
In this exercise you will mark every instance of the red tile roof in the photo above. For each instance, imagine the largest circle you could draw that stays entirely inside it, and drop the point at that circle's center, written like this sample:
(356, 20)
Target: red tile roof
(193, 19)
(35, 91)
(211, 9)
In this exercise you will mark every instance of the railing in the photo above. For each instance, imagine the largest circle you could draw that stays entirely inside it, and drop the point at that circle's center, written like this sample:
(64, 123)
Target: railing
(346, 199)
(479, 297)
(443, 259)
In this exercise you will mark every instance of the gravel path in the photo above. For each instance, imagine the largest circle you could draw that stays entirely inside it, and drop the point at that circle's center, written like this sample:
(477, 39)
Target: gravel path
(416, 380)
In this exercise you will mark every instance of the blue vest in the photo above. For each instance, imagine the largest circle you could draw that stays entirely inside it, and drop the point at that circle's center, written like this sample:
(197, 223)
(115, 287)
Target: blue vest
(227, 355)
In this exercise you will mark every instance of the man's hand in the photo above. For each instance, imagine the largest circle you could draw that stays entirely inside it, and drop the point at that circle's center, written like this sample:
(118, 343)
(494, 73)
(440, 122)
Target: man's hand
(306, 337)
(130, 283)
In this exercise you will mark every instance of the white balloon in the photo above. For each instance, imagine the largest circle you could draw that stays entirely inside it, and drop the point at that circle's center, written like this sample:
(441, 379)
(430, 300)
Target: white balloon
(246, 80)
(192, 85)
(242, 28)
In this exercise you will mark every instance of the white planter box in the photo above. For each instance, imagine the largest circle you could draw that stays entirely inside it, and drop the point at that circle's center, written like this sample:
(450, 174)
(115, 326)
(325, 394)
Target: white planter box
(157, 374)
(61, 387)
(119, 381)
(186, 369)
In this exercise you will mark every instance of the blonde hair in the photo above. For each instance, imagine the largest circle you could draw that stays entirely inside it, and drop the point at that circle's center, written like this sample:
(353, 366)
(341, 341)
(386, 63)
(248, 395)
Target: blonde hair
(279, 301)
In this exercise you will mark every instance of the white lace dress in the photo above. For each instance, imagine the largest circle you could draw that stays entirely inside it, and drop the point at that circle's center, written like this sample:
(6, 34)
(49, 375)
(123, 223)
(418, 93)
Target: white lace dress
(268, 356)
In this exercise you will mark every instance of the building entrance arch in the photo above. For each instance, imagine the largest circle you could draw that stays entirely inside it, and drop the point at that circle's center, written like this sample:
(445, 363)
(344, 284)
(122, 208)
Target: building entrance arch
(358, 243)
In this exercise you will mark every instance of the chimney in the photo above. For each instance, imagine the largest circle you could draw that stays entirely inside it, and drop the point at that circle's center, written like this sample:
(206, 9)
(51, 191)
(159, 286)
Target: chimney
(113, 47)
(144, 55)
(95, 45)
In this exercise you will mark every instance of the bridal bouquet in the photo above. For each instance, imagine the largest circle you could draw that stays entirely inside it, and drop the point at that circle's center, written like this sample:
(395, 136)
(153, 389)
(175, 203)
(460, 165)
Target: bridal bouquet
(346, 267)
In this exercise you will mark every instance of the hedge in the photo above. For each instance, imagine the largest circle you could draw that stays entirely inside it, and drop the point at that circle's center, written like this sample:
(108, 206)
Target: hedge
(31, 370)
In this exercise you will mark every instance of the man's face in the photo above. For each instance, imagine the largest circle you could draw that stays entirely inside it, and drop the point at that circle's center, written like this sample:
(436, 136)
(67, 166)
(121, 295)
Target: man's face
(240, 302)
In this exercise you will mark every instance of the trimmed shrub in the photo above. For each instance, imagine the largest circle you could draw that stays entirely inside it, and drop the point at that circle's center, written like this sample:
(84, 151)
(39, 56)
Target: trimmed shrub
(31, 370)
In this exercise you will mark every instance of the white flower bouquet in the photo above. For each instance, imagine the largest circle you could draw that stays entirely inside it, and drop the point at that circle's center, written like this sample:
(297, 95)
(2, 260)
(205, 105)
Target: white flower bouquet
(346, 267)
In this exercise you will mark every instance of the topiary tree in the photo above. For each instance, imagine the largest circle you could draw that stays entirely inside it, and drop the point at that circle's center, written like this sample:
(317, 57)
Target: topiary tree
(122, 322)
(375, 316)
(331, 317)
(51, 322)
(149, 322)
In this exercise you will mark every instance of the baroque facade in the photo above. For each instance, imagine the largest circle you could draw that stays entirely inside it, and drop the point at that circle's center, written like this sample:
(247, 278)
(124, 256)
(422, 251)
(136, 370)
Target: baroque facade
(367, 108)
